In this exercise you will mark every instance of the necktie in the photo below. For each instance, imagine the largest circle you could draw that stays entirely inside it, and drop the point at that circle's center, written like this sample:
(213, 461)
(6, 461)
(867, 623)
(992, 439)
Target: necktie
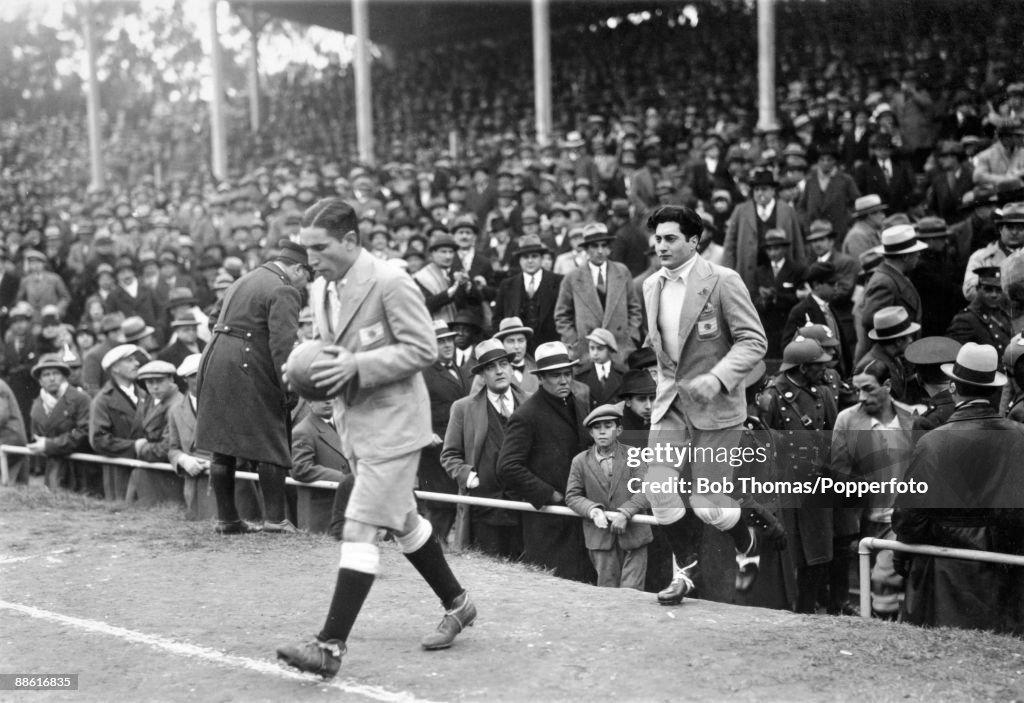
(531, 285)
(831, 320)
(887, 169)
(600, 281)
(506, 410)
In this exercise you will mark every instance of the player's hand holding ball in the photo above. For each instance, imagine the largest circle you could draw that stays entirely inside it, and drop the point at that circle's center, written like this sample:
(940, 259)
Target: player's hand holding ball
(319, 371)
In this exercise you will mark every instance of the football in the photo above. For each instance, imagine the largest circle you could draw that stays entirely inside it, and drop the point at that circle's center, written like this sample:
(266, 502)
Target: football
(297, 369)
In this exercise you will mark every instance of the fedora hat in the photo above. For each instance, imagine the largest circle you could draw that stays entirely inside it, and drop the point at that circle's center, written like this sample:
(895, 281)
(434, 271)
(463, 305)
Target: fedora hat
(223, 281)
(191, 321)
(602, 336)
(512, 325)
(819, 230)
(440, 240)
(1014, 212)
(603, 412)
(22, 309)
(867, 204)
(155, 369)
(487, 352)
(180, 296)
(531, 244)
(932, 350)
(189, 365)
(976, 364)
(637, 382)
(763, 178)
(803, 351)
(135, 328)
(776, 237)
(50, 361)
(901, 240)
(932, 228)
(573, 140)
(465, 222)
(892, 322)
(442, 330)
(821, 272)
(552, 356)
(596, 232)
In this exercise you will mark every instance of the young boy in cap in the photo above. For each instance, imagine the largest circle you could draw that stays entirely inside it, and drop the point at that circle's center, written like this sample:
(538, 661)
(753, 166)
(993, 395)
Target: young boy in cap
(599, 484)
(60, 425)
(603, 378)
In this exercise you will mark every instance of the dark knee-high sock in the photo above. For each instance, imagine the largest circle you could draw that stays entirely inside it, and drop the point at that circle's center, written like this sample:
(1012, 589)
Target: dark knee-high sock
(424, 552)
(272, 483)
(356, 573)
(222, 478)
(684, 538)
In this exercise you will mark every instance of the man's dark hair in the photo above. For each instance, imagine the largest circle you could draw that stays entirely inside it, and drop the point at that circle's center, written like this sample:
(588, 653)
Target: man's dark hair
(873, 367)
(690, 223)
(332, 214)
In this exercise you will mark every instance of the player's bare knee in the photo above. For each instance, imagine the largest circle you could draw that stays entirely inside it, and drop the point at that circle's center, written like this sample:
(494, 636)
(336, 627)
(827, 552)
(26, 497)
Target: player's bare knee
(356, 531)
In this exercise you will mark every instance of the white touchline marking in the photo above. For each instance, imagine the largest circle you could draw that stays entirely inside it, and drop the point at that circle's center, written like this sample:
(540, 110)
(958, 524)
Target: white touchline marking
(212, 655)
(15, 560)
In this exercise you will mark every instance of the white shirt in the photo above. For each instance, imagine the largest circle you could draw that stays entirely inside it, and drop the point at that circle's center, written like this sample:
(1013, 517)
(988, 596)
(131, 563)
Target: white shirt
(670, 306)
(461, 355)
(777, 266)
(132, 288)
(603, 370)
(466, 257)
(531, 281)
(130, 392)
(496, 400)
(886, 167)
(602, 269)
(826, 257)
(765, 212)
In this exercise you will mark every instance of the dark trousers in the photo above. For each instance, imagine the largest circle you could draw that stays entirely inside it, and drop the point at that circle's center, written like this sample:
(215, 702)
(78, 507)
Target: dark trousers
(341, 497)
(272, 486)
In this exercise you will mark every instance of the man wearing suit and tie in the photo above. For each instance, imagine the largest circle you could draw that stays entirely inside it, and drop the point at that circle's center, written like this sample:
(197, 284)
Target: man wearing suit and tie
(777, 284)
(891, 179)
(446, 383)
(472, 445)
(707, 337)
(530, 295)
(600, 294)
(952, 180)
(515, 337)
(381, 337)
(750, 222)
(602, 378)
(816, 309)
(316, 448)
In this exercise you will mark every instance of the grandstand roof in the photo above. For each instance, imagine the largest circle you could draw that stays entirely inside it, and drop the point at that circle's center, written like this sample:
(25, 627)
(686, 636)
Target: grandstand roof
(412, 23)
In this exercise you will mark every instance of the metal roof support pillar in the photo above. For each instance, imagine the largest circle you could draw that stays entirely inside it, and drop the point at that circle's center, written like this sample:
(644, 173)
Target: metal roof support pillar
(218, 128)
(766, 118)
(364, 91)
(97, 172)
(542, 69)
(254, 73)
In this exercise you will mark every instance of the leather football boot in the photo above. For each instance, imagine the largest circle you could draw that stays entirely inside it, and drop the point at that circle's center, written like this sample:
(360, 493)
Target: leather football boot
(681, 585)
(461, 616)
(315, 657)
(285, 526)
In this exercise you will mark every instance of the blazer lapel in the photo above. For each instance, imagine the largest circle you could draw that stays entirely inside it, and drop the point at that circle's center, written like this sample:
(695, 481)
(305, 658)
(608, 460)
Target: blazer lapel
(616, 289)
(328, 436)
(476, 427)
(652, 299)
(702, 280)
(590, 292)
(353, 293)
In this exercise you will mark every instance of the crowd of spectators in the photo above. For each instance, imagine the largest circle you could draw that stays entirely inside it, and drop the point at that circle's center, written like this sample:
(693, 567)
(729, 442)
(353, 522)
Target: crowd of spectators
(913, 135)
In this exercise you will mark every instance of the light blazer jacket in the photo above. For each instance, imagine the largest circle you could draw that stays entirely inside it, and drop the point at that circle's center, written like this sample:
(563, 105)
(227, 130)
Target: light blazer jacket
(728, 342)
(384, 411)
(578, 311)
(589, 488)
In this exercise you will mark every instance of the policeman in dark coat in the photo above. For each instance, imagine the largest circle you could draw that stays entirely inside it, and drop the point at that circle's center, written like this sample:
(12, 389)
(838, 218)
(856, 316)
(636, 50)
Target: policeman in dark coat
(984, 320)
(801, 410)
(542, 437)
(242, 400)
(842, 391)
(927, 355)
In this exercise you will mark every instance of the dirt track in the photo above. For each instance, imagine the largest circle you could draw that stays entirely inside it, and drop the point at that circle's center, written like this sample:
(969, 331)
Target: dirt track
(537, 638)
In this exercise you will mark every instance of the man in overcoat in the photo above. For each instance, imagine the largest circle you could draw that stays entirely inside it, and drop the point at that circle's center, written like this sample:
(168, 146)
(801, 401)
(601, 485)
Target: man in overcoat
(243, 411)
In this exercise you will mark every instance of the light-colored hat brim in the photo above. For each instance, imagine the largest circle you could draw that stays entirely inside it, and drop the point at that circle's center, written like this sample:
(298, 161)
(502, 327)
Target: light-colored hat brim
(999, 380)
